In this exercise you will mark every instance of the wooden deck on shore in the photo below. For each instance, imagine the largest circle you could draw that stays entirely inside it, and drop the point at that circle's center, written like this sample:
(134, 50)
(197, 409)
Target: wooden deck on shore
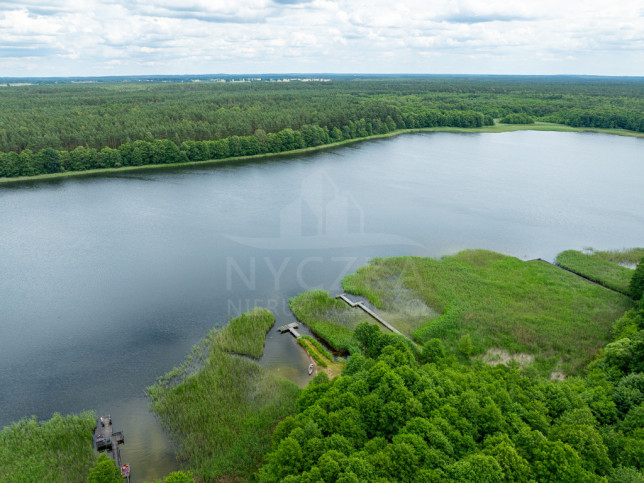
(375, 316)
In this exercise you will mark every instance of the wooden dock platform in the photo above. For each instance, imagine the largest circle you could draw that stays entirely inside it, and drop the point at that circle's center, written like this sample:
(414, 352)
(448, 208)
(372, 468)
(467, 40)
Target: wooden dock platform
(290, 328)
(371, 313)
(106, 439)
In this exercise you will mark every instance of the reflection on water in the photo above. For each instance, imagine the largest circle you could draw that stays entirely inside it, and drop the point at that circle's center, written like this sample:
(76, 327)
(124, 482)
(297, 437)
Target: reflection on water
(146, 447)
(284, 356)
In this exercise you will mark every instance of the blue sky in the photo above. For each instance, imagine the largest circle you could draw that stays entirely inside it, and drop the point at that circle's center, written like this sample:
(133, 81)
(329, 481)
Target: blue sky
(111, 37)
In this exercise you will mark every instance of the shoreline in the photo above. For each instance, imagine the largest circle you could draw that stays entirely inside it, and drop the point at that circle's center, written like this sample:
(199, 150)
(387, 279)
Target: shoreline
(497, 128)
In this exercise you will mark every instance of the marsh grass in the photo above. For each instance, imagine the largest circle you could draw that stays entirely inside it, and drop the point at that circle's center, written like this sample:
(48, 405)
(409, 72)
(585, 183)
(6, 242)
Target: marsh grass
(598, 268)
(223, 414)
(625, 256)
(502, 302)
(397, 304)
(311, 351)
(329, 319)
(321, 356)
(316, 350)
(57, 450)
(246, 334)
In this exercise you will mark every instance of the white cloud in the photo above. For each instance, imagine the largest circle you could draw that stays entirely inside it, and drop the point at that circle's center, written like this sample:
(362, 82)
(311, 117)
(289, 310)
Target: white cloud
(67, 37)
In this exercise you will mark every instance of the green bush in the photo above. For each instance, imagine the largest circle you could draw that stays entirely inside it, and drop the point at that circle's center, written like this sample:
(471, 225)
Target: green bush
(517, 118)
(105, 471)
(465, 345)
(389, 419)
(636, 285)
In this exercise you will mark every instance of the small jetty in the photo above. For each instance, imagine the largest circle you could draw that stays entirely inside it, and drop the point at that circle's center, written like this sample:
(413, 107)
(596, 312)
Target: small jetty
(290, 328)
(107, 440)
(375, 316)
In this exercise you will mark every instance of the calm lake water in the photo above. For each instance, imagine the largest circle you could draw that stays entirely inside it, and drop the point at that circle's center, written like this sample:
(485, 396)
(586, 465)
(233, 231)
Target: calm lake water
(107, 282)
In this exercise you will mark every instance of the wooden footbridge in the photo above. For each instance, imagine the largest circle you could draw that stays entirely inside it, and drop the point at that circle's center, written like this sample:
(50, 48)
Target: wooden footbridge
(370, 312)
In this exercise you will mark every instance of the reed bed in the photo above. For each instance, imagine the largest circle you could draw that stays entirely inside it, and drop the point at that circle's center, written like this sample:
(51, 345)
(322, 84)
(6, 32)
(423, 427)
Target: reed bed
(222, 415)
(597, 268)
(502, 302)
(57, 450)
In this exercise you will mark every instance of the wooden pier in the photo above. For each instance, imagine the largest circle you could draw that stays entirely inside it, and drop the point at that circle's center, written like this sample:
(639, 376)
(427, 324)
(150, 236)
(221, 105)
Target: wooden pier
(370, 312)
(105, 439)
(290, 328)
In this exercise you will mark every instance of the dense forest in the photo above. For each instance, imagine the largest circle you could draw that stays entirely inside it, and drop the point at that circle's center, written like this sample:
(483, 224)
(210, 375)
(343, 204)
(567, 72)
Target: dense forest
(50, 128)
(394, 416)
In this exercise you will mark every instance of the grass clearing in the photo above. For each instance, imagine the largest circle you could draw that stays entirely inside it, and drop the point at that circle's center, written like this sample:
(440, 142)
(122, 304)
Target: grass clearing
(502, 302)
(597, 269)
(57, 450)
(494, 357)
(222, 415)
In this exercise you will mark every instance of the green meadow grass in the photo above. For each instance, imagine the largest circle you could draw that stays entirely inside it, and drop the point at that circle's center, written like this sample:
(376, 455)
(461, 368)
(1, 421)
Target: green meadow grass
(502, 302)
(597, 269)
(57, 450)
(222, 415)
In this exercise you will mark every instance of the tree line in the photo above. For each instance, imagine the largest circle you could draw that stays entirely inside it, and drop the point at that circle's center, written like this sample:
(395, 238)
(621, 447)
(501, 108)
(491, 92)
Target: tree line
(165, 151)
(64, 117)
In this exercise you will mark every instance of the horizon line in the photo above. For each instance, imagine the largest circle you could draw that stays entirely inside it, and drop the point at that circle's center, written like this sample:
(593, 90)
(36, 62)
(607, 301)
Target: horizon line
(334, 74)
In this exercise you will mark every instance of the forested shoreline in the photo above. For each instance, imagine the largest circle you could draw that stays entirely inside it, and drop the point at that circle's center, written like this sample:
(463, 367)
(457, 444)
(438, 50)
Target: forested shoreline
(399, 411)
(52, 128)
(405, 411)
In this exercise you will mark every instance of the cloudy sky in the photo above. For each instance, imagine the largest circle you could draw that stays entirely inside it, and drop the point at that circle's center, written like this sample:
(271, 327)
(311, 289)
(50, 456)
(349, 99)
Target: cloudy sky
(119, 37)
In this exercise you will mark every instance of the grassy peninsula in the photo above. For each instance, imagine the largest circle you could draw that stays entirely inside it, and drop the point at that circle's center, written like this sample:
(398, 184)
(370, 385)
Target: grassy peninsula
(220, 405)
(526, 310)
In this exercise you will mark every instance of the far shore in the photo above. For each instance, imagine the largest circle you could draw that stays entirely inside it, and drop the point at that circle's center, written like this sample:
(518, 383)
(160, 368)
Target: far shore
(497, 128)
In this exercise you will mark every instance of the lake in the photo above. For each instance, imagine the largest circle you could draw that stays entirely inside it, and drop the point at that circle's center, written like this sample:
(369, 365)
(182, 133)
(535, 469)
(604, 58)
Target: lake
(106, 282)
